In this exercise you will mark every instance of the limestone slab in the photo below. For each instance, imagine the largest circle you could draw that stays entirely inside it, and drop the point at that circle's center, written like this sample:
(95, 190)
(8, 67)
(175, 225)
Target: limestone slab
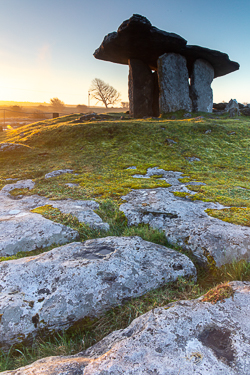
(54, 290)
(22, 230)
(186, 337)
(185, 222)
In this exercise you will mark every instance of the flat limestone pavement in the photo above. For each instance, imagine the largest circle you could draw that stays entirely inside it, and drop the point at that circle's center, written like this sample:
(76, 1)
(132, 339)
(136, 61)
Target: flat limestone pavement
(22, 230)
(186, 337)
(53, 290)
(185, 222)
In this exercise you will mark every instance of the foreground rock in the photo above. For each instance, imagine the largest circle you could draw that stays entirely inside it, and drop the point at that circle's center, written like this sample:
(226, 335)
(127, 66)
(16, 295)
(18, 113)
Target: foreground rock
(22, 230)
(187, 337)
(185, 222)
(54, 290)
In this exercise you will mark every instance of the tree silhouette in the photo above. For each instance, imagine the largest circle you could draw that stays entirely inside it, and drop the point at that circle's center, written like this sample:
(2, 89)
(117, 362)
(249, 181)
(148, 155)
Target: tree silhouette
(57, 104)
(103, 92)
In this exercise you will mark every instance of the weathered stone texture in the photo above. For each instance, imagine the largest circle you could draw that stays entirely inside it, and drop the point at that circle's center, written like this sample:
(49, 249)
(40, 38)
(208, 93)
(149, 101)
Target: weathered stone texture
(201, 92)
(22, 230)
(173, 83)
(141, 89)
(56, 289)
(185, 222)
(186, 337)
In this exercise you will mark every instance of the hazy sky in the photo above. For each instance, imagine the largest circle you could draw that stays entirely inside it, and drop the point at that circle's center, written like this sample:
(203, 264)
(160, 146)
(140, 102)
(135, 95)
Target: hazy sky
(46, 46)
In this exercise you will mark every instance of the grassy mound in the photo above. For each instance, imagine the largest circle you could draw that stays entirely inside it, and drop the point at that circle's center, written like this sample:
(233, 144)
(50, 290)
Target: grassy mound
(100, 152)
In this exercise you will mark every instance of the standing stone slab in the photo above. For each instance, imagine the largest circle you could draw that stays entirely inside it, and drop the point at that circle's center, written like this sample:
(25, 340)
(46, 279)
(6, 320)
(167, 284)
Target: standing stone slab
(182, 338)
(54, 290)
(173, 83)
(141, 85)
(200, 90)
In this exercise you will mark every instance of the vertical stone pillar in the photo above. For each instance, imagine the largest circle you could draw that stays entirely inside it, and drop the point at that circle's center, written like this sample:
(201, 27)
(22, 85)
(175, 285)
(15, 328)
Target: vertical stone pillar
(173, 83)
(200, 90)
(141, 89)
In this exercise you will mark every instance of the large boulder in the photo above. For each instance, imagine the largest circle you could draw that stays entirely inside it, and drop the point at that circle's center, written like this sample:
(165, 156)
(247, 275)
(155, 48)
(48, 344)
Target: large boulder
(185, 222)
(22, 230)
(173, 83)
(232, 108)
(54, 290)
(185, 337)
(136, 38)
(200, 89)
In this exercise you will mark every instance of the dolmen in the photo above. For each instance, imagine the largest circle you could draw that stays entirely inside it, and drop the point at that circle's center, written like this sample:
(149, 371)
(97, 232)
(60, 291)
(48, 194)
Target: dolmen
(165, 74)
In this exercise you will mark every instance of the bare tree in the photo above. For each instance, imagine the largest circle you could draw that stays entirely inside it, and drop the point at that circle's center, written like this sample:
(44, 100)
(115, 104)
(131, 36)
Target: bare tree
(103, 92)
(125, 104)
(57, 104)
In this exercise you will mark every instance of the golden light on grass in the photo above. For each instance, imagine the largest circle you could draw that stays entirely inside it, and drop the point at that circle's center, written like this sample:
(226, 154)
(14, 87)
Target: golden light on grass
(9, 127)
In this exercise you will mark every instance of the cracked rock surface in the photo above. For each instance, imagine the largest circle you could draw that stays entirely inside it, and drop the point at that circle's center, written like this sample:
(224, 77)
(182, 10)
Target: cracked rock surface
(185, 222)
(22, 230)
(55, 289)
(186, 337)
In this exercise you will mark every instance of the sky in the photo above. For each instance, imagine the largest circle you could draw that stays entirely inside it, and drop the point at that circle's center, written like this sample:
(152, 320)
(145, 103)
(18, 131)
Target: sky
(47, 46)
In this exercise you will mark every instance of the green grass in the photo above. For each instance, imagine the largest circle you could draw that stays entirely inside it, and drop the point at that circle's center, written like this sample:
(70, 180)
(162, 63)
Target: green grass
(99, 153)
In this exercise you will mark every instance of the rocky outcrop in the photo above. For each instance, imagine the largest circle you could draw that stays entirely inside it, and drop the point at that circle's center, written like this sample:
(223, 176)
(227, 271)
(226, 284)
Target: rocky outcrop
(173, 83)
(200, 88)
(22, 230)
(232, 108)
(185, 337)
(56, 289)
(185, 222)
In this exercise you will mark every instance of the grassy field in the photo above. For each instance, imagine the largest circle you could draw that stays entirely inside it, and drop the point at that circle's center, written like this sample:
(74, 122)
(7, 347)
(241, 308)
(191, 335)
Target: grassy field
(100, 152)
